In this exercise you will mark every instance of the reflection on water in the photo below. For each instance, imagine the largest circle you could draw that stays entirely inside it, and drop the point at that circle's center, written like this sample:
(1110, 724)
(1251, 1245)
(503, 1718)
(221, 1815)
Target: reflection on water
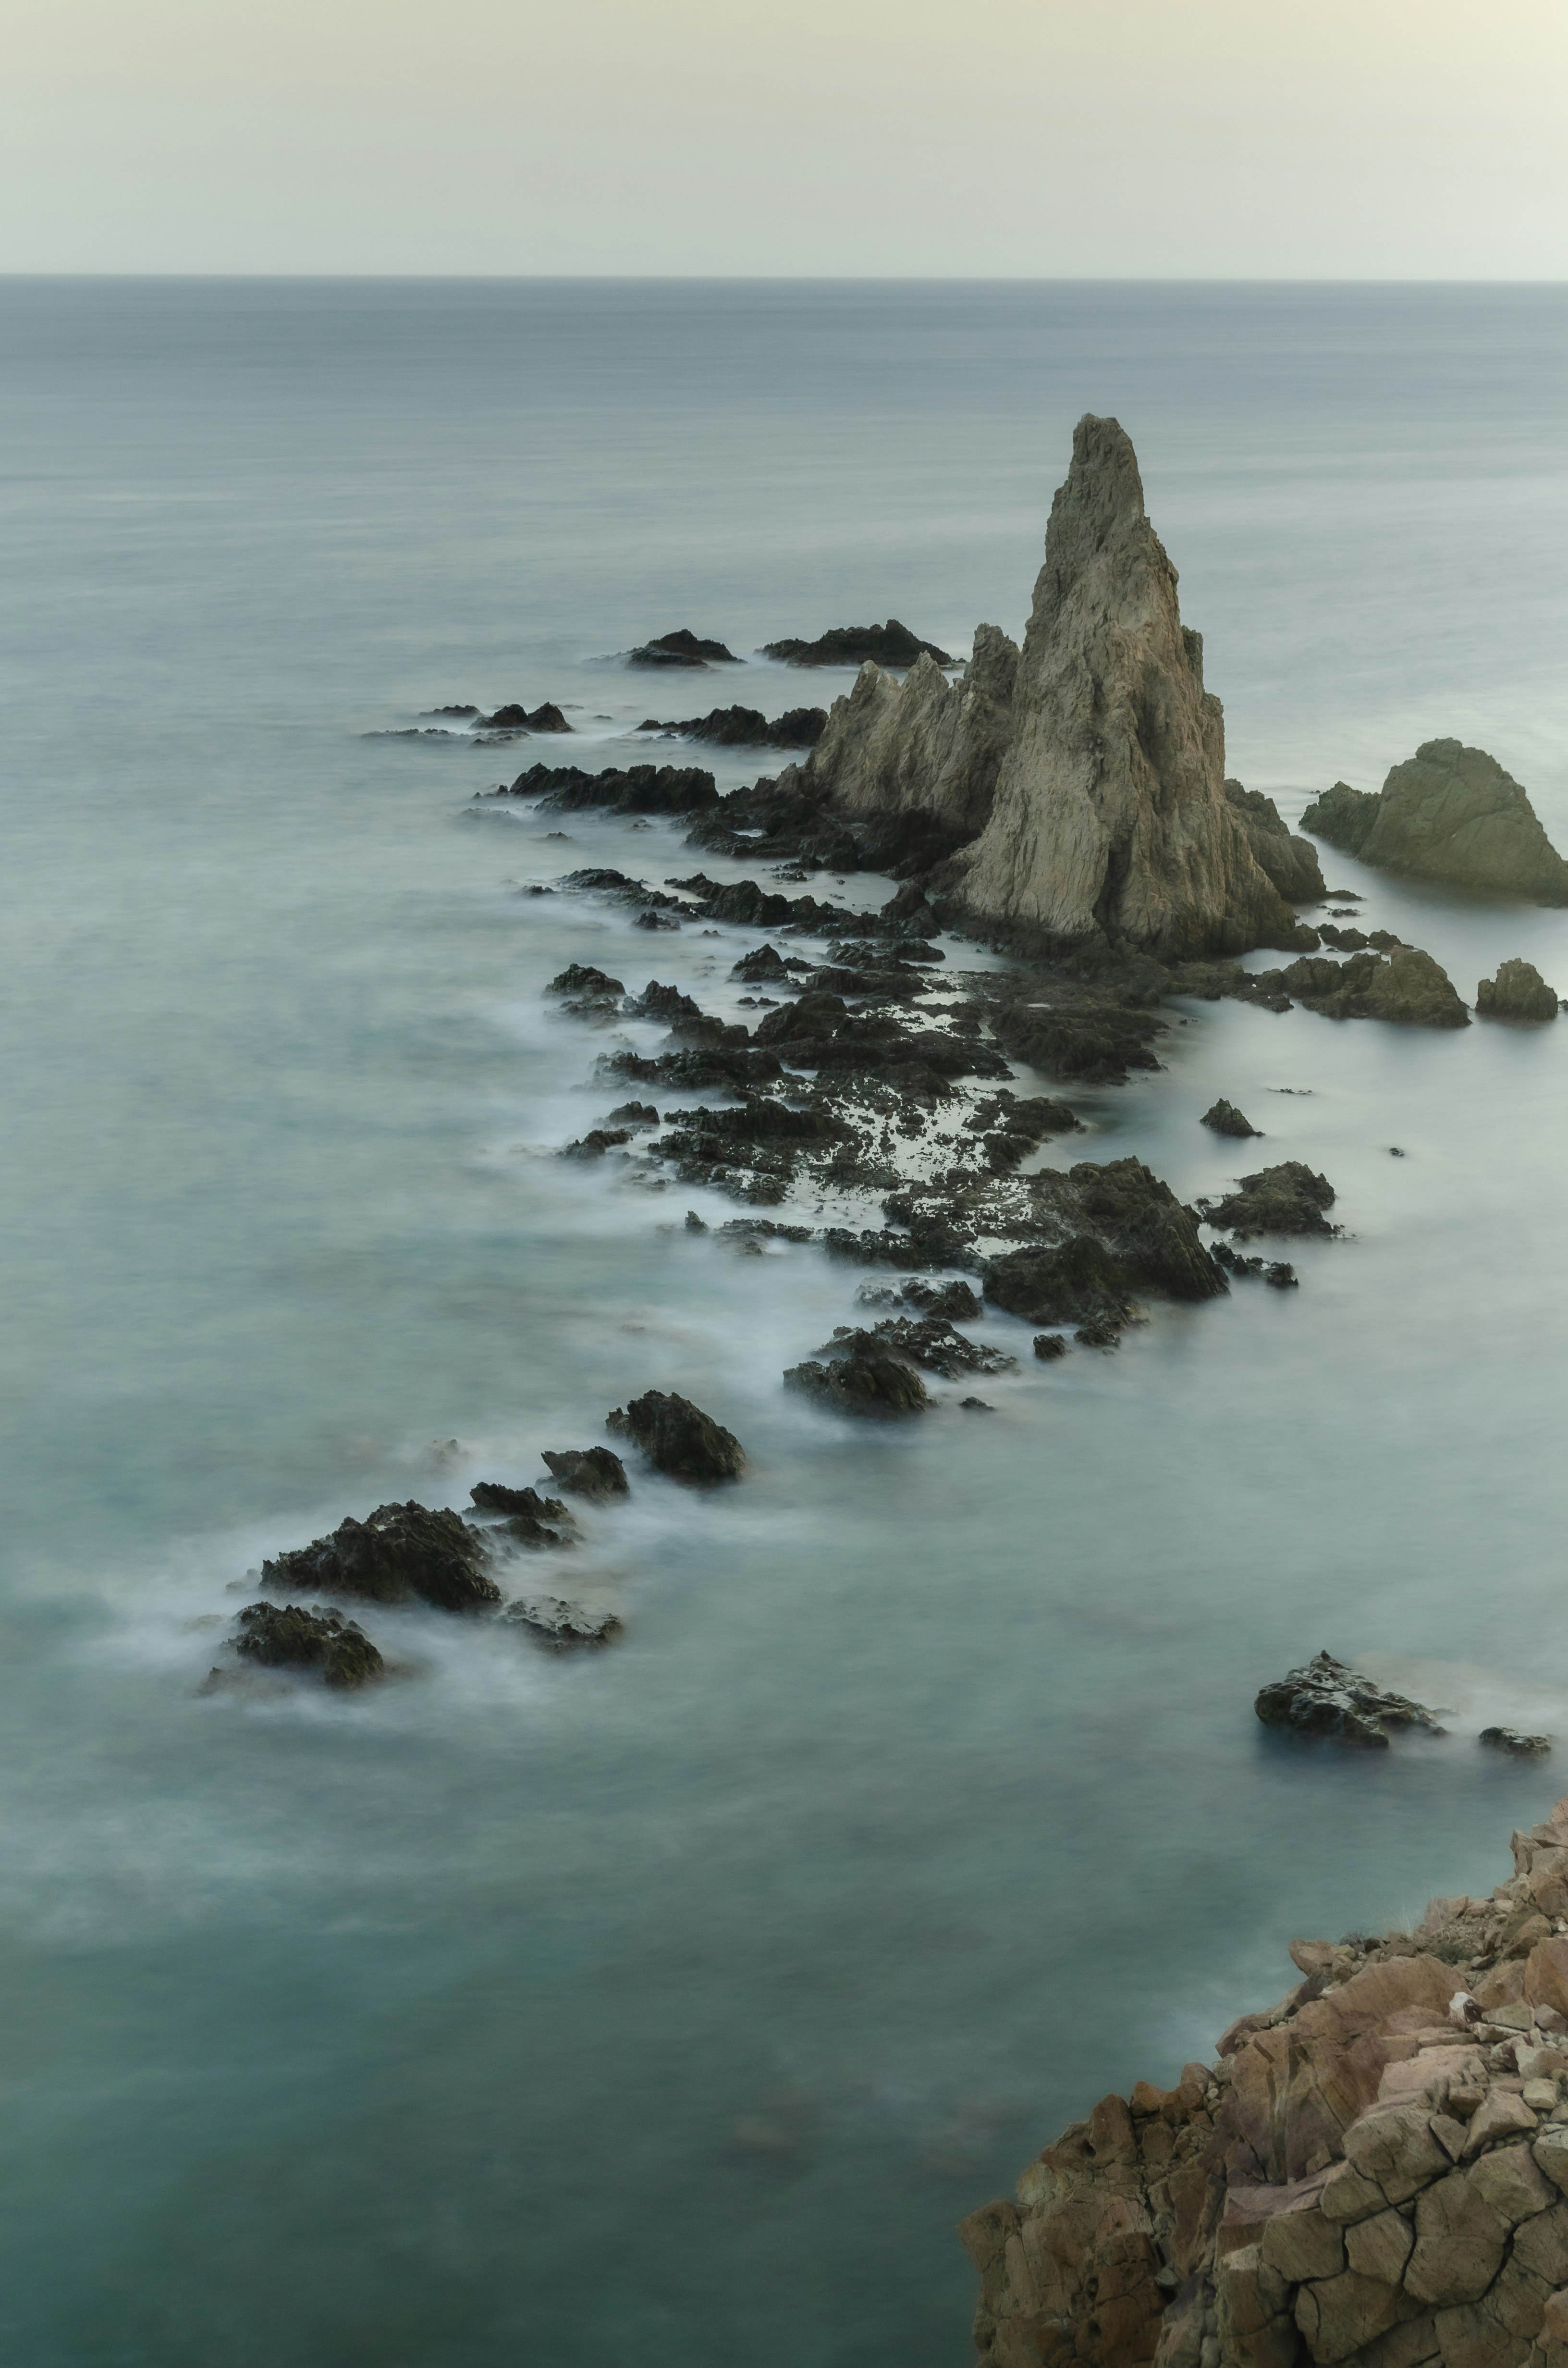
(670, 2004)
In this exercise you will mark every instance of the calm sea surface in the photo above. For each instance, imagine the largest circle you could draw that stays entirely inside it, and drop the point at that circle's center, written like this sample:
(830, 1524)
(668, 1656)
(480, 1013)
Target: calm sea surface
(664, 2010)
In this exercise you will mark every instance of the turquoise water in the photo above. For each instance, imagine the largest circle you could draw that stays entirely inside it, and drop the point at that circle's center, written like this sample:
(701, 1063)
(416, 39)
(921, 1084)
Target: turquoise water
(669, 2008)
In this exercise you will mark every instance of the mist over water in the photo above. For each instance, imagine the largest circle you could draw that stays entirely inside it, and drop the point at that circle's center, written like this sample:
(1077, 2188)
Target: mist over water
(668, 2006)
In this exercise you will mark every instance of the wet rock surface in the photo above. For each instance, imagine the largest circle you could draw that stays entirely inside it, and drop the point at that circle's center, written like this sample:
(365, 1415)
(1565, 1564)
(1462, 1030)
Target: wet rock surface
(288, 1637)
(1079, 1282)
(518, 718)
(1448, 813)
(632, 788)
(861, 1374)
(1403, 986)
(677, 1438)
(1224, 1118)
(891, 644)
(1518, 992)
(1287, 1199)
(681, 648)
(1324, 1697)
(399, 1554)
(588, 1471)
(562, 1627)
(1373, 2171)
(747, 727)
(527, 1519)
(1516, 1745)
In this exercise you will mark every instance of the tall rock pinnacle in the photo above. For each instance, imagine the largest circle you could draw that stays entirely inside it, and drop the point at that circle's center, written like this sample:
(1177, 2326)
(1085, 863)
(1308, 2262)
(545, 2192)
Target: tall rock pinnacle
(1110, 816)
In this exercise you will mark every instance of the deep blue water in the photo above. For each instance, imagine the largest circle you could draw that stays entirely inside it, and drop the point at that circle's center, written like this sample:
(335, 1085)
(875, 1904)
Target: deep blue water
(669, 2008)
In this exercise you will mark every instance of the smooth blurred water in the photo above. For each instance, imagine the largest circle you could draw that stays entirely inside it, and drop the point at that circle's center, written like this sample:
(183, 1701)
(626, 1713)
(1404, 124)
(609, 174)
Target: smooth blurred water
(669, 2007)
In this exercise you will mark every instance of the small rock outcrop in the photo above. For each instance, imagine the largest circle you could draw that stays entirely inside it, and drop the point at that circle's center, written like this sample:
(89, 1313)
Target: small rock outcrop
(402, 1553)
(1291, 861)
(1326, 1697)
(891, 644)
(1518, 992)
(287, 1636)
(588, 1471)
(518, 718)
(1510, 1740)
(1078, 1283)
(681, 648)
(630, 789)
(859, 1373)
(747, 727)
(1449, 814)
(560, 1626)
(1371, 2174)
(679, 1439)
(528, 1519)
(1287, 1199)
(1224, 1118)
(1110, 820)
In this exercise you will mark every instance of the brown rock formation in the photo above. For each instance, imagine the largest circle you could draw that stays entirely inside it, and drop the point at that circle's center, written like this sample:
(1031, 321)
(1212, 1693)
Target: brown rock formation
(925, 746)
(1110, 817)
(1450, 813)
(1372, 2173)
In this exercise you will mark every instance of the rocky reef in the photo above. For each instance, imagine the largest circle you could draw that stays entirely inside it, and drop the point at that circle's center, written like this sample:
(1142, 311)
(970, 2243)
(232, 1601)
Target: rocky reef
(1448, 813)
(891, 644)
(1371, 2174)
(747, 727)
(681, 648)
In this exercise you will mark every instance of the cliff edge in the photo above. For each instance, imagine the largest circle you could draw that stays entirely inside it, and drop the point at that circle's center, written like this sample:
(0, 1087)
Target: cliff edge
(1371, 2175)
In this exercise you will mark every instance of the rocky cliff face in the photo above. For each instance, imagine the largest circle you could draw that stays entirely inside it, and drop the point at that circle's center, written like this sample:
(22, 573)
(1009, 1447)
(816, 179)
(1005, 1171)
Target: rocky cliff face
(1290, 862)
(1373, 2172)
(1449, 814)
(925, 745)
(1110, 817)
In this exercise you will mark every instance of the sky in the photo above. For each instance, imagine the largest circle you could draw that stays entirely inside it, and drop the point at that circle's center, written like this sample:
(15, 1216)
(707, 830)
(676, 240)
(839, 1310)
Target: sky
(1378, 138)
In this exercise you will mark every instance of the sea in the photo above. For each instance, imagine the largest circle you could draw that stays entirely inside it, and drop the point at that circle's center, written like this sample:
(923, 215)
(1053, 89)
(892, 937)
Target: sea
(668, 2007)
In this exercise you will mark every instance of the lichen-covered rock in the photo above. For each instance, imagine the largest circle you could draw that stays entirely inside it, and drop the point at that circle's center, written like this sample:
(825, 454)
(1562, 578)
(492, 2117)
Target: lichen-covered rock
(398, 1555)
(1110, 819)
(1355, 2182)
(1450, 813)
(679, 1439)
(1518, 992)
(1326, 1697)
(588, 1471)
(288, 1637)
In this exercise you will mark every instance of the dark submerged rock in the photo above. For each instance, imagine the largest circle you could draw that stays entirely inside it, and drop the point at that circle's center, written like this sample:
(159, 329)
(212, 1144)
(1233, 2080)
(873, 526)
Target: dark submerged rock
(530, 1519)
(560, 1626)
(932, 1342)
(400, 1555)
(588, 1471)
(1224, 1118)
(289, 1637)
(1071, 1284)
(595, 1143)
(1518, 992)
(516, 718)
(891, 644)
(586, 986)
(681, 648)
(679, 1439)
(1288, 1199)
(1508, 1740)
(954, 1299)
(1324, 1697)
(634, 1114)
(632, 788)
(747, 727)
(859, 1373)
(1275, 1273)
(1049, 1346)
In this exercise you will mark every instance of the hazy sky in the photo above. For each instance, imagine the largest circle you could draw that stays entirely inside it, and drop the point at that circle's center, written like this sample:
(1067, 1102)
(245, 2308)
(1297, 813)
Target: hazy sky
(1380, 138)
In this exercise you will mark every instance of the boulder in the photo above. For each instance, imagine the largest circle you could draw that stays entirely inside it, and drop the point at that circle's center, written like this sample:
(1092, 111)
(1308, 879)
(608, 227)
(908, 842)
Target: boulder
(287, 1636)
(400, 1553)
(1516, 1746)
(1518, 992)
(1109, 820)
(1449, 814)
(1224, 1118)
(1049, 1346)
(588, 1471)
(1324, 1697)
(522, 719)
(891, 644)
(859, 1373)
(587, 987)
(529, 1519)
(953, 1300)
(1288, 1199)
(679, 1439)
